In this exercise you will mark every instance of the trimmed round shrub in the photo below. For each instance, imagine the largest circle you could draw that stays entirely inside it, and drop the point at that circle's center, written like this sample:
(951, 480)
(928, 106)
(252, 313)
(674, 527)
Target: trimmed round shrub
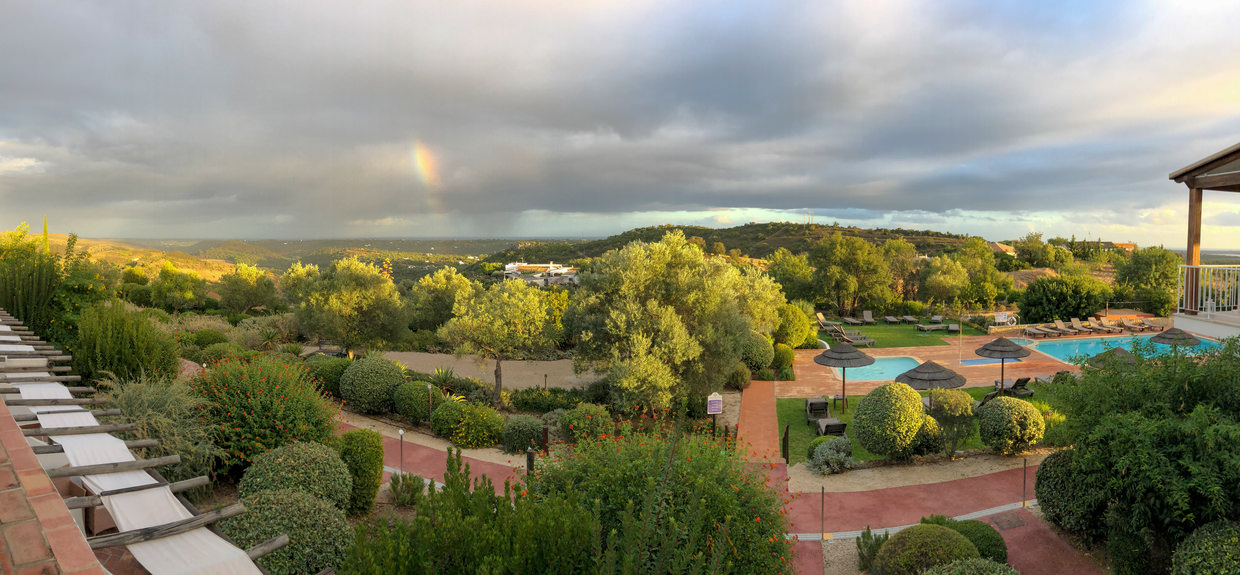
(833, 455)
(257, 405)
(367, 385)
(990, 544)
(311, 468)
(929, 438)
(479, 427)
(415, 400)
(539, 400)
(1213, 549)
(972, 567)
(327, 372)
(446, 417)
(520, 432)
(757, 351)
(217, 352)
(362, 453)
(1069, 498)
(920, 547)
(783, 357)
(794, 326)
(585, 420)
(1009, 425)
(191, 352)
(766, 374)
(739, 377)
(319, 535)
(887, 420)
(207, 337)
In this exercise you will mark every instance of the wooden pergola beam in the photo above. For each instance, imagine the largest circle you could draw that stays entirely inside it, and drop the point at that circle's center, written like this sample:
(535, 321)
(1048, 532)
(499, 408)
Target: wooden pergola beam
(166, 530)
(94, 412)
(131, 444)
(97, 500)
(17, 376)
(39, 402)
(114, 467)
(267, 546)
(82, 430)
(16, 389)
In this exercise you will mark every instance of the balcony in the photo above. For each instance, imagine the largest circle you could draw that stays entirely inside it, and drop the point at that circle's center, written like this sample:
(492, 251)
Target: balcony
(1209, 300)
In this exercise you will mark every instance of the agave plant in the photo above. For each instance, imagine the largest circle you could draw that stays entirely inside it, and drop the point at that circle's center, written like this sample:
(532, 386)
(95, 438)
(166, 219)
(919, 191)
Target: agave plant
(270, 337)
(443, 377)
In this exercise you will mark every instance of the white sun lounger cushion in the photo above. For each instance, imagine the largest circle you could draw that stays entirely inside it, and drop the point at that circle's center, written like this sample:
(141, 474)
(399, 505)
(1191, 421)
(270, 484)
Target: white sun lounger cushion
(16, 348)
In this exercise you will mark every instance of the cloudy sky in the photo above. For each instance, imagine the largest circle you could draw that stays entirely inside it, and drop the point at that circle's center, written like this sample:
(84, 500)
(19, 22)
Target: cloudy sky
(524, 118)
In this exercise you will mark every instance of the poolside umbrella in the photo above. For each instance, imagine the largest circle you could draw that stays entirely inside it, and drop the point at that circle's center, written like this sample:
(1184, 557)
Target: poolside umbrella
(1176, 336)
(843, 356)
(1117, 354)
(1002, 349)
(931, 375)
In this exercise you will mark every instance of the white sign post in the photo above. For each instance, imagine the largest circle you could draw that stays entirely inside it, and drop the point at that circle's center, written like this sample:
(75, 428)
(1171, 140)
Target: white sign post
(714, 406)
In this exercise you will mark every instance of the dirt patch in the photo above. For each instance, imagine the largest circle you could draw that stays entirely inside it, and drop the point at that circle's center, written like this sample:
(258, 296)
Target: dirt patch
(839, 557)
(517, 374)
(922, 471)
(1022, 278)
(731, 408)
(421, 436)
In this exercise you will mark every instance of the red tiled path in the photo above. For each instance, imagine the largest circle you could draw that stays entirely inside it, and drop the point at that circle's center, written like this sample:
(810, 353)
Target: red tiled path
(1033, 549)
(430, 463)
(758, 424)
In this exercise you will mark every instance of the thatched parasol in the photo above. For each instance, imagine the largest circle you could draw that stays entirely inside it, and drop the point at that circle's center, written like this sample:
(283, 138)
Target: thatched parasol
(1117, 354)
(1002, 349)
(1176, 336)
(843, 356)
(931, 375)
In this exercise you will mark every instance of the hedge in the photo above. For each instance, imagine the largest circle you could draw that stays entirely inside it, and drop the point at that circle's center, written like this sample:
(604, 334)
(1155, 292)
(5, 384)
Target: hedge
(110, 338)
(990, 544)
(327, 372)
(367, 385)
(207, 337)
(310, 468)
(920, 547)
(446, 417)
(585, 420)
(783, 357)
(1009, 425)
(972, 567)
(1070, 499)
(415, 400)
(929, 438)
(887, 420)
(362, 453)
(539, 400)
(520, 432)
(218, 352)
(479, 427)
(1213, 549)
(319, 535)
(757, 351)
(739, 377)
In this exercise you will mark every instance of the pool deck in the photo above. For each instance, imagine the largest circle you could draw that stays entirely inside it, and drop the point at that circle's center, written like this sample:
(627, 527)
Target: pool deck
(814, 379)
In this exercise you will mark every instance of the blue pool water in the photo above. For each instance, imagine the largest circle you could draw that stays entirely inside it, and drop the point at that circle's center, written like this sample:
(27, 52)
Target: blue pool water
(883, 368)
(1065, 350)
(986, 361)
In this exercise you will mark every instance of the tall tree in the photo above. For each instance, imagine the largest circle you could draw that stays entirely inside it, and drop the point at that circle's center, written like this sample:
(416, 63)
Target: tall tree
(1150, 267)
(850, 272)
(792, 272)
(943, 279)
(665, 321)
(298, 282)
(354, 304)
(901, 259)
(177, 290)
(434, 296)
(246, 288)
(508, 321)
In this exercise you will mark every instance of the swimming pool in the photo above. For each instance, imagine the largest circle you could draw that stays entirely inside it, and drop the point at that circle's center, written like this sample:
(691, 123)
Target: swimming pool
(883, 368)
(1065, 350)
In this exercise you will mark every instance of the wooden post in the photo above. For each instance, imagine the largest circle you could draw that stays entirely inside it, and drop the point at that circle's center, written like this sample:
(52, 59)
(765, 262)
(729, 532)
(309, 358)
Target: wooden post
(158, 531)
(131, 444)
(115, 467)
(546, 433)
(267, 547)
(1192, 255)
(529, 462)
(85, 430)
(783, 443)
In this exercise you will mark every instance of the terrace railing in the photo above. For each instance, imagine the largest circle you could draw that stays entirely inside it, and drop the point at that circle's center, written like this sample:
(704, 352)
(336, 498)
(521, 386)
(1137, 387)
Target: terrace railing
(1207, 290)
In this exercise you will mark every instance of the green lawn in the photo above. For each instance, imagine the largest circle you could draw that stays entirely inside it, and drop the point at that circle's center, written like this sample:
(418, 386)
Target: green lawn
(791, 411)
(901, 335)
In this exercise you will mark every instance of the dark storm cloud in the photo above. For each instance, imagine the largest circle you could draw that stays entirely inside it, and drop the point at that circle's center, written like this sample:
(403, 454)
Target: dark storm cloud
(243, 119)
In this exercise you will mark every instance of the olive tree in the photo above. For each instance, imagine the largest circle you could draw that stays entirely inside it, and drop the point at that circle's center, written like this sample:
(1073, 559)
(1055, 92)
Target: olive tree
(354, 304)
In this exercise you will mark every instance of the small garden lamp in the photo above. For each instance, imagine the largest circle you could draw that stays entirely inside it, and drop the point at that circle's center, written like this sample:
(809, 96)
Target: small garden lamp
(402, 451)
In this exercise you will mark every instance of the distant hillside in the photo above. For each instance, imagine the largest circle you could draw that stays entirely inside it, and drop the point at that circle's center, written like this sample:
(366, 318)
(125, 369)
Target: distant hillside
(122, 253)
(754, 240)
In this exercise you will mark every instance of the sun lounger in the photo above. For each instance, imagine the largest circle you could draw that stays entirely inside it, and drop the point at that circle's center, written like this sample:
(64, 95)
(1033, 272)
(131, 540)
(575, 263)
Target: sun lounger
(851, 321)
(936, 319)
(816, 408)
(985, 399)
(1112, 325)
(930, 327)
(891, 319)
(1061, 327)
(823, 323)
(1009, 385)
(1034, 331)
(859, 340)
(1099, 325)
(953, 328)
(908, 318)
(1154, 326)
(1051, 378)
(1132, 326)
(1077, 325)
(831, 426)
(867, 316)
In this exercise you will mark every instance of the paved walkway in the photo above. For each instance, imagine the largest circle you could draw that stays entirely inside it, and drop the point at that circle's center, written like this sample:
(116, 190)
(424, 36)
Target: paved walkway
(431, 463)
(758, 428)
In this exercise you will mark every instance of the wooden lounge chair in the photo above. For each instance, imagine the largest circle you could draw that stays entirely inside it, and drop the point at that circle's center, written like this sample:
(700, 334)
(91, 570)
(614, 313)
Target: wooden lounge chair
(891, 319)
(824, 322)
(851, 321)
(930, 327)
(859, 340)
(1054, 330)
(1020, 388)
(908, 318)
(1077, 325)
(1152, 325)
(953, 328)
(985, 399)
(1099, 325)
(1034, 331)
(936, 319)
(1131, 326)
(1110, 324)
(831, 426)
(867, 316)
(816, 408)
(1061, 327)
